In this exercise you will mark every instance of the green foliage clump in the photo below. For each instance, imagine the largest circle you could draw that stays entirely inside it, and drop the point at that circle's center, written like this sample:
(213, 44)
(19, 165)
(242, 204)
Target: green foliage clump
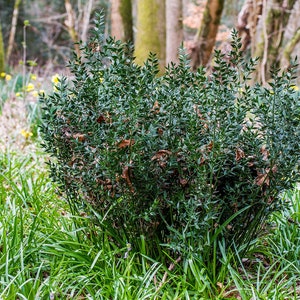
(185, 157)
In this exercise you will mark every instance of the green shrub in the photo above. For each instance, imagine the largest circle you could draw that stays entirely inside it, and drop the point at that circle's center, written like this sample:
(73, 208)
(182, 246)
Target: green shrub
(179, 157)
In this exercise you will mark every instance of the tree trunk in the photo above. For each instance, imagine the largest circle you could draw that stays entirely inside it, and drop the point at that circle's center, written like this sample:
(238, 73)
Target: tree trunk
(289, 48)
(247, 23)
(174, 30)
(121, 20)
(150, 35)
(12, 33)
(86, 19)
(70, 23)
(2, 56)
(206, 36)
(275, 20)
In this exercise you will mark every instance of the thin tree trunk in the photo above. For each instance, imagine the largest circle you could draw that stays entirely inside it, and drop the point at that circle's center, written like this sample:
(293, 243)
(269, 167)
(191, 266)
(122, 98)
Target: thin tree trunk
(12, 33)
(247, 23)
(206, 36)
(150, 35)
(289, 48)
(2, 56)
(121, 20)
(86, 19)
(70, 23)
(274, 24)
(174, 30)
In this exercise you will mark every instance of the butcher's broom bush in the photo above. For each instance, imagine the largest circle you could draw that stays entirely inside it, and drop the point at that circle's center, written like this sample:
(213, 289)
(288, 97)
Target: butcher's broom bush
(186, 158)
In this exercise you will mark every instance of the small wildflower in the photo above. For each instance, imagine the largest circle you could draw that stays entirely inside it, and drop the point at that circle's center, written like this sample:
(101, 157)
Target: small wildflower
(55, 79)
(101, 79)
(18, 94)
(7, 77)
(29, 87)
(3, 74)
(41, 92)
(33, 77)
(295, 87)
(26, 134)
(35, 94)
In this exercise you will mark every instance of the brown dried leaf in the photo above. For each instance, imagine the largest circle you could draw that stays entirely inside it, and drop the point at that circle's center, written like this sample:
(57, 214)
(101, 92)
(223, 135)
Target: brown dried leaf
(160, 131)
(155, 107)
(202, 161)
(161, 154)
(265, 153)
(101, 119)
(126, 175)
(125, 143)
(262, 178)
(183, 182)
(210, 146)
(79, 136)
(239, 154)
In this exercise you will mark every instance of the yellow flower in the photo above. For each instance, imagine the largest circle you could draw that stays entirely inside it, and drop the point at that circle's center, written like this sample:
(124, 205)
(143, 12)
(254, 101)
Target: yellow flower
(35, 93)
(55, 79)
(29, 87)
(3, 74)
(33, 77)
(41, 92)
(295, 87)
(101, 79)
(7, 77)
(26, 133)
(18, 94)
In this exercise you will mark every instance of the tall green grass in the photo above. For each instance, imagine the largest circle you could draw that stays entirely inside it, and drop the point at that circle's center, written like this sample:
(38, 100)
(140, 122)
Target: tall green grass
(48, 252)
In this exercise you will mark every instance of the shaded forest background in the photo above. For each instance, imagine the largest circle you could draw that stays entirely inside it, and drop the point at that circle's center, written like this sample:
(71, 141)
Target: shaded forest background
(270, 29)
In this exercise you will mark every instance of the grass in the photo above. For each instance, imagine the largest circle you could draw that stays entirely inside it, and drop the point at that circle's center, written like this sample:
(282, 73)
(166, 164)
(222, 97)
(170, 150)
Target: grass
(46, 252)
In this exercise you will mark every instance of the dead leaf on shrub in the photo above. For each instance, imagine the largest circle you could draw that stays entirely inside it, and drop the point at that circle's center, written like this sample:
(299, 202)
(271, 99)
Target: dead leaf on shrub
(161, 154)
(239, 154)
(183, 182)
(202, 161)
(101, 119)
(155, 107)
(210, 146)
(126, 175)
(160, 131)
(265, 153)
(79, 136)
(125, 143)
(264, 178)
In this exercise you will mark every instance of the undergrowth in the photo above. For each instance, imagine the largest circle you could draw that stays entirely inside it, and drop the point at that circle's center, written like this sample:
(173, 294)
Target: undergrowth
(48, 252)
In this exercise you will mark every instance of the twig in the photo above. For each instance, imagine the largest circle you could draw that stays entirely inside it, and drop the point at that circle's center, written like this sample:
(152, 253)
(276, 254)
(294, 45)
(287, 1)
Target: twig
(171, 267)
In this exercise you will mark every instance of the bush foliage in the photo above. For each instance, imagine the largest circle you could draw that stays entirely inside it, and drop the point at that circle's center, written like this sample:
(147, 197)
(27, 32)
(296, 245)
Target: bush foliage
(177, 156)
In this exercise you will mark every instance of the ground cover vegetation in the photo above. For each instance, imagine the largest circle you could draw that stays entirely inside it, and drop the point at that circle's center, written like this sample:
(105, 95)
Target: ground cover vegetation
(180, 186)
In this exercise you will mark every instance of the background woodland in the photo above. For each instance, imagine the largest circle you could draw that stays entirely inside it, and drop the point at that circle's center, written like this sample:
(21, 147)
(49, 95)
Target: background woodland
(270, 29)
